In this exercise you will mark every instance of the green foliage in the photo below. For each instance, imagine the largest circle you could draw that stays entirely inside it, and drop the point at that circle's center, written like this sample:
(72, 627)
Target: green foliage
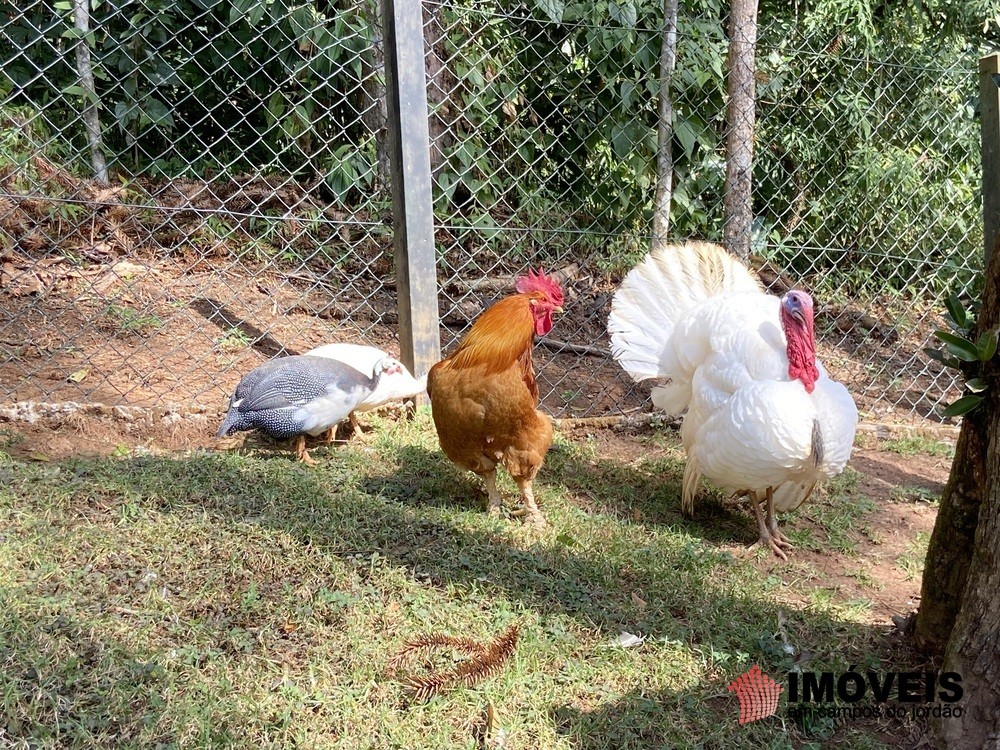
(864, 149)
(194, 85)
(965, 350)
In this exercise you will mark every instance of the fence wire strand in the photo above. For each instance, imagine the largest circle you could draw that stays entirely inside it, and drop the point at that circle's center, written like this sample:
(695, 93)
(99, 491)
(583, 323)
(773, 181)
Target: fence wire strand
(248, 212)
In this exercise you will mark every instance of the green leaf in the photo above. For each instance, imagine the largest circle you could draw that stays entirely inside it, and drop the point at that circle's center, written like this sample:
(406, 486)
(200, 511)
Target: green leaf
(977, 385)
(961, 347)
(624, 13)
(963, 406)
(939, 356)
(686, 135)
(956, 311)
(554, 9)
(987, 345)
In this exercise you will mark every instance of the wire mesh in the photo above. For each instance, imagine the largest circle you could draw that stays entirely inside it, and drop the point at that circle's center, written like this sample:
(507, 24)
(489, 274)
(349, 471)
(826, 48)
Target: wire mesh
(248, 209)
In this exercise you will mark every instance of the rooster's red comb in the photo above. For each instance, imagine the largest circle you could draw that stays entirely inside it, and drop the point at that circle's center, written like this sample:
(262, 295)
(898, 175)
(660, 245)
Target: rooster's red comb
(535, 282)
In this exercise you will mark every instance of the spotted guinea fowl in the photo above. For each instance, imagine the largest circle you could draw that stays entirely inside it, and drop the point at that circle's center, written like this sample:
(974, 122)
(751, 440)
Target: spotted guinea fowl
(300, 395)
(392, 387)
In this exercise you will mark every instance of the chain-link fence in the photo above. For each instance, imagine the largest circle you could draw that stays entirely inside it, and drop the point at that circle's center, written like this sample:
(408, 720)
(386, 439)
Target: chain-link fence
(248, 214)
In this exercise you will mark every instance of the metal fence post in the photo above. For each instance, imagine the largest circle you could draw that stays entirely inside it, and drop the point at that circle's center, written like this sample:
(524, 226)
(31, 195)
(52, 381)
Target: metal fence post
(412, 204)
(989, 113)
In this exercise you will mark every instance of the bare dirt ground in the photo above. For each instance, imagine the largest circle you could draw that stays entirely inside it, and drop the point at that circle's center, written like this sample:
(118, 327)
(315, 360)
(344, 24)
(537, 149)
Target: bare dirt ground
(174, 331)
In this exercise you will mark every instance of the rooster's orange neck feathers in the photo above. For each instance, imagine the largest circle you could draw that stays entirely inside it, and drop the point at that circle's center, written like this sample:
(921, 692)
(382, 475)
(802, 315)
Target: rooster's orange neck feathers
(499, 339)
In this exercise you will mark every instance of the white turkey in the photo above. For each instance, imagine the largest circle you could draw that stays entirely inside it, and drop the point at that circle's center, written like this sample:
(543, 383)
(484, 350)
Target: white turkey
(300, 395)
(395, 386)
(763, 418)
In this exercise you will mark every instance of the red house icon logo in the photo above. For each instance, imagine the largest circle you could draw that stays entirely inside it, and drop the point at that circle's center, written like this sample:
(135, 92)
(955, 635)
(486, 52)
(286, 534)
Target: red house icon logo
(758, 694)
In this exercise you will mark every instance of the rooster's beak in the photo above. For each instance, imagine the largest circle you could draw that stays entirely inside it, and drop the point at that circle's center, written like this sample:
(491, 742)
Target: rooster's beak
(557, 309)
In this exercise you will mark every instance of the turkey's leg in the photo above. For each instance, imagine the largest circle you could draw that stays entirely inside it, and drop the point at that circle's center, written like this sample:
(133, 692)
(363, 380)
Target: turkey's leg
(300, 451)
(530, 511)
(772, 523)
(493, 504)
(765, 539)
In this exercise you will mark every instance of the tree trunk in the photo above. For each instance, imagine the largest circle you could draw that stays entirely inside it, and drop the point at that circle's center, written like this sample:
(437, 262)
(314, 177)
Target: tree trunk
(439, 86)
(974, 649)
(959, 603)
(91, 118)
(372, 102)
(665, 134)
(949, 553)
(740, 120)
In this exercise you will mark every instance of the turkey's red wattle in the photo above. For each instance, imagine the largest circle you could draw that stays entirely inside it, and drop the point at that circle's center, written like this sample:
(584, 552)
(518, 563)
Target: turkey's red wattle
(801, 350)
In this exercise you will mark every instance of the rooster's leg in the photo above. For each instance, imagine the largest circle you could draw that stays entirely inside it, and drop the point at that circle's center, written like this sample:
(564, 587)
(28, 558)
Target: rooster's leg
(493, 505)
(300, 451)
(530, 511)
(765, 540)
(772, 523)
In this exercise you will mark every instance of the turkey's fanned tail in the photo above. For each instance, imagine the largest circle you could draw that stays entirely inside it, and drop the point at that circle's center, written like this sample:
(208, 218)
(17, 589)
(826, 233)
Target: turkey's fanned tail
(669, 281)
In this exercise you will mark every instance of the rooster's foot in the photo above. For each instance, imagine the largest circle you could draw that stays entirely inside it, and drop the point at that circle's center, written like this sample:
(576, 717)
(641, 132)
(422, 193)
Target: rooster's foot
(531, 516)
(359, 432)
(495, 500)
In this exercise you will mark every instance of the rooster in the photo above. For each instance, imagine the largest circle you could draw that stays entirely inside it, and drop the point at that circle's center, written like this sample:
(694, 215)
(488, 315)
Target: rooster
(483, 396)
(763, 418)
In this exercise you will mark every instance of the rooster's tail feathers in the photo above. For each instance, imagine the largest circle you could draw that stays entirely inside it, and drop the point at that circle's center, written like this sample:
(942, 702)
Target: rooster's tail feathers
(669, 281)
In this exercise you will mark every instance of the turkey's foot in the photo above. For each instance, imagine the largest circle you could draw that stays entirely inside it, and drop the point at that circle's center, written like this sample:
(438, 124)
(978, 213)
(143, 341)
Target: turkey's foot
(775, 540)
(769, 542)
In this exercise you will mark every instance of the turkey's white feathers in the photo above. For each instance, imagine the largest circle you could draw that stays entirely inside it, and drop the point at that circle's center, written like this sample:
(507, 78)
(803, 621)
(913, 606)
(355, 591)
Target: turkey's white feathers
(656, 293)
(696, 318)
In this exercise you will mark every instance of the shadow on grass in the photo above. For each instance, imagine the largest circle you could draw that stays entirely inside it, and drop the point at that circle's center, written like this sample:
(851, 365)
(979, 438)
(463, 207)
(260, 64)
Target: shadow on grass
(649, 492)
(53, 666)
(408, 506)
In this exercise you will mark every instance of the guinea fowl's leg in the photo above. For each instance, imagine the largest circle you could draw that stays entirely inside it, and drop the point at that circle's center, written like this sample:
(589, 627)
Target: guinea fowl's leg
(772, 523)
(765, 540)
(530, 511)
(331, 434)
(300, 451)
(359, 432)
(493, 505)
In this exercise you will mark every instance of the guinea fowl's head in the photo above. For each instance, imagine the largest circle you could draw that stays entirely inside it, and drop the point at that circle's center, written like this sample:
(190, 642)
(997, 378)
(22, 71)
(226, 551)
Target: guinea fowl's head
(387, 366)
(545, 297)
(797, 322)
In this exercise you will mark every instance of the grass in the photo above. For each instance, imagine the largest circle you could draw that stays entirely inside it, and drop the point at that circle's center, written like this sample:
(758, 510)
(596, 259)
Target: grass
(915, 445)
(243, 600)
(911, 562)
(127, 320)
